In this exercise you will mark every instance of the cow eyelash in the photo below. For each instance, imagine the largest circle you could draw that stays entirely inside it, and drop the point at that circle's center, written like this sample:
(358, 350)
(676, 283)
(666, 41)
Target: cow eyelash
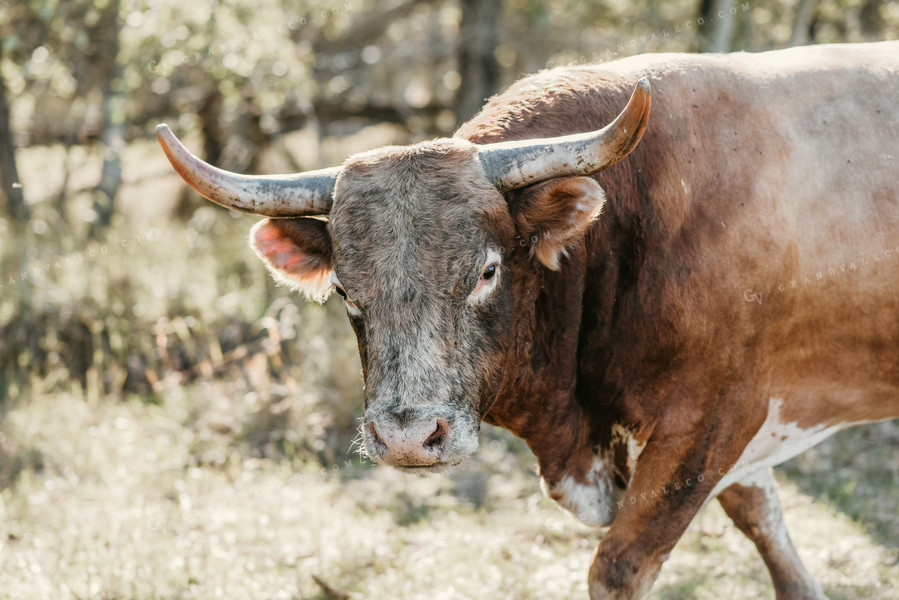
(351, 306)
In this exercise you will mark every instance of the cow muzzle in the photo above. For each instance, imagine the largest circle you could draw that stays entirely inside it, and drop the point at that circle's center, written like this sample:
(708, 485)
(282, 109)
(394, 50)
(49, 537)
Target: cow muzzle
(421, 443)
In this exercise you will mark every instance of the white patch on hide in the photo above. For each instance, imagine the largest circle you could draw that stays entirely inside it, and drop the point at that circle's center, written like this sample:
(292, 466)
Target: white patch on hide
(773, 524)
(593, 503)
(775, 442)
(597, 502)
(622, 435)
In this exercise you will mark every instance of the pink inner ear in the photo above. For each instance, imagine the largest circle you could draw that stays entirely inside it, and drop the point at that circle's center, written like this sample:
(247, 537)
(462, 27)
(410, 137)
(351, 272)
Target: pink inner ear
(282, 252)
(296, 250)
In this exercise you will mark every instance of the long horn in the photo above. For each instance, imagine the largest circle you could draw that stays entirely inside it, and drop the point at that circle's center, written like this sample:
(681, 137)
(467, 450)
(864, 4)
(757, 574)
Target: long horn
(511, 165)
(303, 194)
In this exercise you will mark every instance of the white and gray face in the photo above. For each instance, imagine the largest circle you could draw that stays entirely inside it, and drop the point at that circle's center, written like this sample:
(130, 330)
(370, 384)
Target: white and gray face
(415, 243)
(417, 238)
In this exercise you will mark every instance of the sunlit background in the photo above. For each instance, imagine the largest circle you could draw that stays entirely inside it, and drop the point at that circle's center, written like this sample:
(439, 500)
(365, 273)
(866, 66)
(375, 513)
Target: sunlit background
(174, 425)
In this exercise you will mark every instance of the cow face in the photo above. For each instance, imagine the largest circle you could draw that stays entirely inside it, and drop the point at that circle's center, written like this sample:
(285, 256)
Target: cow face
(433, 248)
(429, 260)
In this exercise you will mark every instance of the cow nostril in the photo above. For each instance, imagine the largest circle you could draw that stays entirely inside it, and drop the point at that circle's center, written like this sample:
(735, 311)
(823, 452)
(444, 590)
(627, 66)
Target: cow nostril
(438, 435)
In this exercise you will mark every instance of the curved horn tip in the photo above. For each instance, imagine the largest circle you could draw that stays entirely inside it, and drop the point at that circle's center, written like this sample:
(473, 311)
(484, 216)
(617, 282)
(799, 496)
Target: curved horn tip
(166, 137)
(642, 91)
(162, 129)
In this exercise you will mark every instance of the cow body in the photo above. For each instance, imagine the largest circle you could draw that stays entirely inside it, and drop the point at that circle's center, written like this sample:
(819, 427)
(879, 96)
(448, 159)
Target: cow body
(735, 301)
(738, 299)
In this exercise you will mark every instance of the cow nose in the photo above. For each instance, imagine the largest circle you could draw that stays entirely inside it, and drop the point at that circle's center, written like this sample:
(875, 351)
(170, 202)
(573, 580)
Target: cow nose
(412, 444)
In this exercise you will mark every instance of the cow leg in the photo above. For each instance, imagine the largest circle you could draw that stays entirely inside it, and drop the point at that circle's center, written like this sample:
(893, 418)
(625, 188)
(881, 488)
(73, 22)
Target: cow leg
(755, 510)
(672, 480)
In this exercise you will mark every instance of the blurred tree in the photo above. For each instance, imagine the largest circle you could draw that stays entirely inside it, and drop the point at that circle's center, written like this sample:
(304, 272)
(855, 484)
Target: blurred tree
(872, 21)
(9, 174)
(478, 67)
(724, 25)
(716, 25)
(801, 29)
(113, 101)
(210, 115)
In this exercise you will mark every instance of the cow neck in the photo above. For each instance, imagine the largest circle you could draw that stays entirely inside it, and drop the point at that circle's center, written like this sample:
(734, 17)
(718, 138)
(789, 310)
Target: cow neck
(536, 399)
(569, 415)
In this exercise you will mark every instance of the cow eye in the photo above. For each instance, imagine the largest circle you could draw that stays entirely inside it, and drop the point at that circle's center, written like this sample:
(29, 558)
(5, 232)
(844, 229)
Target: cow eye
(488, 280)
(350, 305)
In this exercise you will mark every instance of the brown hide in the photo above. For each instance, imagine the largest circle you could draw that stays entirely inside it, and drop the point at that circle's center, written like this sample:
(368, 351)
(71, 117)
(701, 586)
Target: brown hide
(757, 173)
(747, 254)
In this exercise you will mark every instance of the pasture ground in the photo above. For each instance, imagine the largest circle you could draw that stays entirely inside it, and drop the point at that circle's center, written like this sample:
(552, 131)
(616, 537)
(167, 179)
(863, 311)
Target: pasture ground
(120, 499)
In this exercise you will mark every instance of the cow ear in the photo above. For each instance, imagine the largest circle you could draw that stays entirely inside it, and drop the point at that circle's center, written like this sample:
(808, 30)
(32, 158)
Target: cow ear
(297, 252)
(555, 213)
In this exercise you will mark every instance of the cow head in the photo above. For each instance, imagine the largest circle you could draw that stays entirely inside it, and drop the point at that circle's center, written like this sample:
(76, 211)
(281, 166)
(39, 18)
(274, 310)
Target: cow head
(429, 246)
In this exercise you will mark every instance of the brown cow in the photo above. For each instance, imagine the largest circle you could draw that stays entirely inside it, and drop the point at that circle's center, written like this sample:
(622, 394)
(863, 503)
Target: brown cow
(661, 332)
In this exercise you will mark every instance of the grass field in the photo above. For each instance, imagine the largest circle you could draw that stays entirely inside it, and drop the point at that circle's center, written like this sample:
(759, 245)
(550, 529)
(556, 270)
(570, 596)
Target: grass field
(127, 499)
(172, 425)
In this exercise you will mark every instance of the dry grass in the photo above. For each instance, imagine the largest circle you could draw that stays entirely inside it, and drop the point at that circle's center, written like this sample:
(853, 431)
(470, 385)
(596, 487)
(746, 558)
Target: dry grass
(114, 499)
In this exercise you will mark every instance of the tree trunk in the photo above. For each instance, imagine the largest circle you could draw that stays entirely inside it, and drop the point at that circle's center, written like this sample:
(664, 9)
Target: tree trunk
(716, 32)
(703, 31)
(67, 143)
(9, 174)
(724, 26)
(478, 67)
(802, 23)
(871, 19)
(210, 115)
(114, 106)
(214, 140)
